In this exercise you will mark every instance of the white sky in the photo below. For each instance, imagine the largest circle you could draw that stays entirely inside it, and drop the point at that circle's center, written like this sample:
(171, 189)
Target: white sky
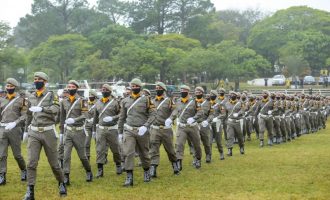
(12, 10)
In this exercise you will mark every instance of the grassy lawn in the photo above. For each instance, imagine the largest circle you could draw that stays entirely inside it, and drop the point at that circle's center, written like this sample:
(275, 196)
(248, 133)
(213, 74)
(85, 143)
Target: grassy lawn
(296, 170)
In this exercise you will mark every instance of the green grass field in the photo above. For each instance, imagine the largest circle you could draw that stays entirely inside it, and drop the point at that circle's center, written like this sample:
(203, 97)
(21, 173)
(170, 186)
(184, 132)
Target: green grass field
(296, 170)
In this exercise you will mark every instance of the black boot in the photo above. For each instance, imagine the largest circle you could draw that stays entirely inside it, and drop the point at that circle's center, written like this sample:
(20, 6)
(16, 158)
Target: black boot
(175, 167)
(153, 171)
(23, 175)
(129, 179)
(62, 189)
(179, 163)
(99, 170)
(89, 176)
(241, 150)
(67, 179)
(29, 195)
(270, 142)
(146, 175)
(88, 158)
(261, 143)
(119, 169)
(222, 156)
(230, 152)
(208, 158)
(3, 179)
(198, 164)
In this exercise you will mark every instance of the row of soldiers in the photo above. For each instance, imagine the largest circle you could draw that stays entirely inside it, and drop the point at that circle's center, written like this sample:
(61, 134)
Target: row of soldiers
(139, 124)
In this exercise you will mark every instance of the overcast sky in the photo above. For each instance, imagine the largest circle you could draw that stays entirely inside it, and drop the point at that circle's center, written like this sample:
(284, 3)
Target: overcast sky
(12, 10)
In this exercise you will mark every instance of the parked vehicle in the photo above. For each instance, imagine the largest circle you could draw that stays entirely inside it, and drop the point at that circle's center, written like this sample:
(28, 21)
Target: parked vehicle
(309, 80)
(322, 80)
(278, 80)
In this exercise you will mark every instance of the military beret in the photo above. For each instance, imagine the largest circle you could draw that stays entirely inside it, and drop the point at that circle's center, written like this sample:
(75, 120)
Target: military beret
(107, 86)
(136, 81)
(92, 93)
(232, 92)
(266, 92)
(186, 87)
(41, 75)
(221, 90)
(12, 81)
(199, 89)
(162, 85)
(74, 82)
(214, 92)
(146, 90)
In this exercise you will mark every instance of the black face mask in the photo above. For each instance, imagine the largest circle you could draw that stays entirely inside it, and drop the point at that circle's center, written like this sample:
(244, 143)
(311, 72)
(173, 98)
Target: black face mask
(222, 94)
(273, 97)
(199, 96)
(213, 97)
(302, 97)
(72, 91)
(136, 90)
(10, 91)
(233, 98)
(243, 99)
(39, 85)
(91, 99)
(106, 94)
(251, 100)
(283, 98)
(278, 98)
(159, 92)
(265, 97)
(184, 94)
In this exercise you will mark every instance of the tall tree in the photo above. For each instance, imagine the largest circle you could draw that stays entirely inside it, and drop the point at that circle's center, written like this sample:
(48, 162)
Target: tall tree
(116, 10)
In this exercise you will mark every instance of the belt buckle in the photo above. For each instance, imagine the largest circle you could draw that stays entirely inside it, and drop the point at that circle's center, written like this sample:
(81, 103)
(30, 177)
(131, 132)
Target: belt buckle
(161, 127)
(41, 129)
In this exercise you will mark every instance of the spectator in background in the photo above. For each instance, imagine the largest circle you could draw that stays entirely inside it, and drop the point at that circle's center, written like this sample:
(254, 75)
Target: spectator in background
(326, 81)
(301, 82)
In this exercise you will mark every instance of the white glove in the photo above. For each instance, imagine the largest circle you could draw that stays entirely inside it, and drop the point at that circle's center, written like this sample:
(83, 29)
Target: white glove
(142, 130)
(25, 136)
(90, 120)
(10, 125)
(269, 112)
(168, 122)
(69, 121)
(61, 139)
(205, 123)
(107, 119)
(190, 120)
(93, 135)
(35, 109)
(215, 119)
(120, 138)
(235, 115)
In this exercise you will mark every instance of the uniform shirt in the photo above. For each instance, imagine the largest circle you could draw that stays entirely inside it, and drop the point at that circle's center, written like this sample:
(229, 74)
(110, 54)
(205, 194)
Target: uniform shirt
(287, 105)
(216, 108)
(143, 113)
(194, 110)
(277, 110)
(112, 109)
(232, 107)
(265, 105)
(90, 114)
(208, 111)
(164, 111)
(50, 108)
(15, 112)
(78, 112)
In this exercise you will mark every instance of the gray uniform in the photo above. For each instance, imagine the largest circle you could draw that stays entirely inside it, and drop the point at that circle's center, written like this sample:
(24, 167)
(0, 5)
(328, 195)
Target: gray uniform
(265, 119)
(107, 132)
(89, 128)
(74, 134)
(216, 127)
(42, 134)
(12, 110)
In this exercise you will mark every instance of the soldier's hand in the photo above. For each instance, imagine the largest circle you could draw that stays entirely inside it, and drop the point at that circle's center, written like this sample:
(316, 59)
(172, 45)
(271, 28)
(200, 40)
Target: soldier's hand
(235, 115)
(94, 135)
(10, 125)
(168, 122)
(205, 123)
(142, 130)
(69, 121)
(25, 137)
(215, 119)
(107, 119)
(35, 109)
(120, 138)
(190, 120)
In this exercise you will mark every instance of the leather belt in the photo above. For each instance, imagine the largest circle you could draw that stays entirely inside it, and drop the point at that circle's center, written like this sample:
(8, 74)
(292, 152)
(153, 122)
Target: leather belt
(160, 127)
(233, 120)
(42, 129)
(114, 127)
(74, 128)
(182, 125)
(131, 128)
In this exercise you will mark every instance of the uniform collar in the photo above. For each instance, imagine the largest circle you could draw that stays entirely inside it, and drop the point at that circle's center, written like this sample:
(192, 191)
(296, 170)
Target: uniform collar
(40, 92)
(159, 98)
(105, 99)
(135, 96)
(233, 102)
(200, 100)
(184, 100)
(11, 96)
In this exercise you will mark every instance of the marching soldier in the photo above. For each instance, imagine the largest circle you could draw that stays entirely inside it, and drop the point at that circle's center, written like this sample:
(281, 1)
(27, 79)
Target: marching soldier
(161, 133)
(204, 129)
(72, 119)
(106, 116)
(13, 114)
(234, 111)
(277, 118)
(188, 113)
(41, 117)
(265, 118)
(216, 127)
(304, 106)
(251, 116)
(221, 101)
(136, 115)
(89, 128)
(287, 113)
(60, 148)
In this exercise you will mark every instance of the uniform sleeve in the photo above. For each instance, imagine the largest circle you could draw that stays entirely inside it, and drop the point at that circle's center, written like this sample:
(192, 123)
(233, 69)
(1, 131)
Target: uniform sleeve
(84, 111)
(151, 110)
(117, 108)
(54, 108)
(122, 117)
(199, 116)
(28, 116)
(62, 116)
(23, 108)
